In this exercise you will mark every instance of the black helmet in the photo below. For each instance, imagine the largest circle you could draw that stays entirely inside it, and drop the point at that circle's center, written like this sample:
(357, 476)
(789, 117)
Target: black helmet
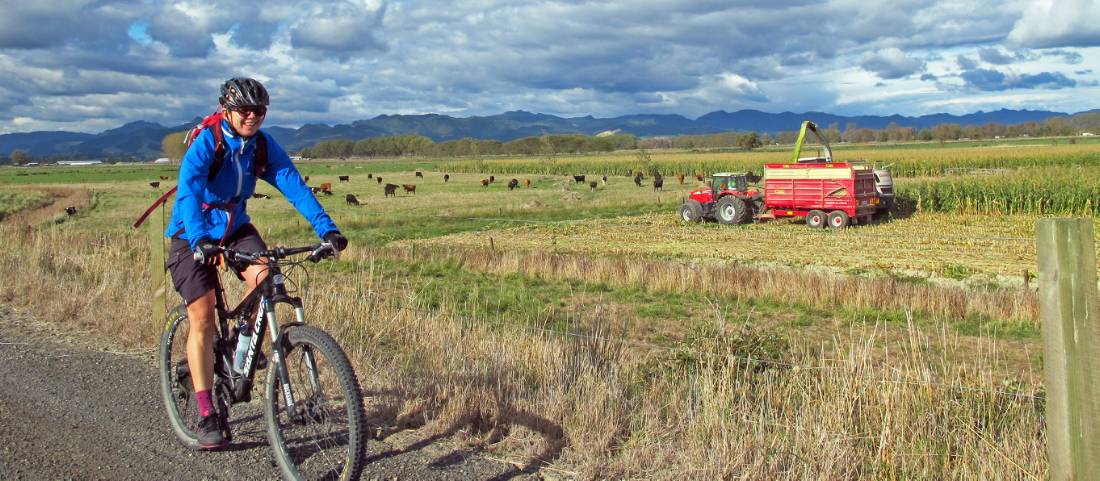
(243, 92)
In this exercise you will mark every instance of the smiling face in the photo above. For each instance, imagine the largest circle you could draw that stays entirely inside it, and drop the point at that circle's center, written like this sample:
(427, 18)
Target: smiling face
(245, 121)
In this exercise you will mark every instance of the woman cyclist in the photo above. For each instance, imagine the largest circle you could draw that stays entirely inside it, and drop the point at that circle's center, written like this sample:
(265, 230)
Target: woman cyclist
(210, 210)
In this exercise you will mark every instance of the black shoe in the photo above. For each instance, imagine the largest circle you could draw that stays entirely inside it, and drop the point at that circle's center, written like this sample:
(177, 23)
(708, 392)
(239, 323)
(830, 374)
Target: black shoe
(211, 433)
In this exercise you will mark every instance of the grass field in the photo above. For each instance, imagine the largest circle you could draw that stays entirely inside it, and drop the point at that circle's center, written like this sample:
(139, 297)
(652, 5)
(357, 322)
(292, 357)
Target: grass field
(592, 332)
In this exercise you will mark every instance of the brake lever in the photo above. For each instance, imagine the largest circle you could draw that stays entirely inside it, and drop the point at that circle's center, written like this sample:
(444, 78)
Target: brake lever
(321, 252)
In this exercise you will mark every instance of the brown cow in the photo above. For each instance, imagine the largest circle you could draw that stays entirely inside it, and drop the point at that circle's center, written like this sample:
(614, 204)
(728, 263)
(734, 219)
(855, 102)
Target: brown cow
(409, 188)
(484, 182)
(527, 183)
(164, 177)
(680, 177)
(391, 189)
(345, 178)
(326, 186)
(351, 199)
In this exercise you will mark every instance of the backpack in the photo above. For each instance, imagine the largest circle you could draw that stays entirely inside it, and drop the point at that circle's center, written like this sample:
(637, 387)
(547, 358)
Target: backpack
(212, 121)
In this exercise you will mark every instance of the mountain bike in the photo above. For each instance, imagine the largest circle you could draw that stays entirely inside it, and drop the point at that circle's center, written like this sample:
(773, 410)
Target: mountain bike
(313, 407)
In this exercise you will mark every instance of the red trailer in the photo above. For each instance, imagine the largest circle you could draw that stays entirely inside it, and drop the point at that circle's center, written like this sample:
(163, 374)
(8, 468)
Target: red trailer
(832, 193)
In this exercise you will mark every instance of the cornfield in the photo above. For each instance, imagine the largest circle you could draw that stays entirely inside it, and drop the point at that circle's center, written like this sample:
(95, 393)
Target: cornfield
(1041, 191)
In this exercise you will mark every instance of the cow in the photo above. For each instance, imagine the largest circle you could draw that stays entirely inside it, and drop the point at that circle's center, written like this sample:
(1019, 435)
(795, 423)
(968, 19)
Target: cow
(315, 190)
(391, 189)
(306, 179)
(629, 172)
(680, 178)
(164, 177)
(258, 195)
(527, 183)
(578, 178)
(699, 176)
(638, 179)
(370, 176)
(326, 186)
(592, 186)
(70, 210)
(155, 184)
(484, 182)
(379, 178)
(419, 174)
(326, 192)
(658, 183)
(351, 199)
(604, 180)
(345, 178)
(512, 184)
(409, 188)
(492, 179)
(446, 177)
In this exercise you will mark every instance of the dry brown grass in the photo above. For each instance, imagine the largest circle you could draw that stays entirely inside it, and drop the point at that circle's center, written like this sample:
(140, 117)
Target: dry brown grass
(589, 405)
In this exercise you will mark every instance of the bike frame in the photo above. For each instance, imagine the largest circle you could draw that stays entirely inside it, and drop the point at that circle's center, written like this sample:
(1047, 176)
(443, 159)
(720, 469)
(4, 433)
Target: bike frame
(262, 300)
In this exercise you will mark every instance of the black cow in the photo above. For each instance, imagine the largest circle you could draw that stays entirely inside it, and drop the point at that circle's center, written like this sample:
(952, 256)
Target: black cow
(592, 186)
(419, 174)
(446, 177)
(391, 189)
(492, 179)
(345, 178)
(578, 178)
(638, 180)
(512, 184)
(258, 195)
(70, 210)
(605, 180)
(155, 184)
(351, 199)
(370, 176)
(658, 183)
(379, 179)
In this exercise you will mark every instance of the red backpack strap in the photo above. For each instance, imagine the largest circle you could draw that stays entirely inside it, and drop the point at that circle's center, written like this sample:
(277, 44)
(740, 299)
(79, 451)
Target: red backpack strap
(157, 203)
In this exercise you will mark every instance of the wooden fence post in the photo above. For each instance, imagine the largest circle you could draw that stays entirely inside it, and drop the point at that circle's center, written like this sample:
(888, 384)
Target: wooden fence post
(1071, 339)
(157, 285)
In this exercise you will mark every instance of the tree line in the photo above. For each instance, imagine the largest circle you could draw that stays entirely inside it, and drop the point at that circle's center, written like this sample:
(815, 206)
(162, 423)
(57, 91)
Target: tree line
(419, 145)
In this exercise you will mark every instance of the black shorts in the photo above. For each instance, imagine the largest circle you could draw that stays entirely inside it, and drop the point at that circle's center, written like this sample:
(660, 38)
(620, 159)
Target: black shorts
(192, 279)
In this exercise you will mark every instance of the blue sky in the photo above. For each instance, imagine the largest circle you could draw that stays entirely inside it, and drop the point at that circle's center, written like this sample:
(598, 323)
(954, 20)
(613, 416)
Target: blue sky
(92, 65)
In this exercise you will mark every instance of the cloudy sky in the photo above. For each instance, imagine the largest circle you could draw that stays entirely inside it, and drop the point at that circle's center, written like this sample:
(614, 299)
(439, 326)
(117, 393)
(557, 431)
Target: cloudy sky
(88, 66)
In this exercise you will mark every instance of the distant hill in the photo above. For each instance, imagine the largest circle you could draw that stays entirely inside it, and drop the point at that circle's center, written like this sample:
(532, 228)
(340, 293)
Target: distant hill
(142, 139)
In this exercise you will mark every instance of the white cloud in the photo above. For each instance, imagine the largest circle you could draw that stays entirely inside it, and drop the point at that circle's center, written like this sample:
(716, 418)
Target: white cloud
(1065, 23)
(891, 63)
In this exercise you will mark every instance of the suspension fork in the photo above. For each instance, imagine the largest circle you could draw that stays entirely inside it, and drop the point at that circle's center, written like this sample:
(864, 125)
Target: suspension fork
(279, 355)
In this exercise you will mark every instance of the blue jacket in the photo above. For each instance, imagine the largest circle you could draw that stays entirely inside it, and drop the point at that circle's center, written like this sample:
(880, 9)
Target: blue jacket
(235, 184)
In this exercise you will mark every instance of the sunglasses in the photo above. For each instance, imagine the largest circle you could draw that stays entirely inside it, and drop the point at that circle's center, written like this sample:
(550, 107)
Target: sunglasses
(257, 110)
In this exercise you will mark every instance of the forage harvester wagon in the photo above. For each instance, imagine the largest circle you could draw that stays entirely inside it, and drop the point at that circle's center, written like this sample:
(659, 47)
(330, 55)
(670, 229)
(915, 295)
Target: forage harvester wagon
(830, 193)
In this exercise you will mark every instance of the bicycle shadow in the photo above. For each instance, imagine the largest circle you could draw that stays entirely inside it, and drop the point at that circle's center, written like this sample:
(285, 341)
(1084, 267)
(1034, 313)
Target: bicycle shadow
(485, 430)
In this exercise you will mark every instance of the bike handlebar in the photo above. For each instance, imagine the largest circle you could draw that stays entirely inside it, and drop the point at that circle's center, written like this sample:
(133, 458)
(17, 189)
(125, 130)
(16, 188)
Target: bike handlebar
(317, 252)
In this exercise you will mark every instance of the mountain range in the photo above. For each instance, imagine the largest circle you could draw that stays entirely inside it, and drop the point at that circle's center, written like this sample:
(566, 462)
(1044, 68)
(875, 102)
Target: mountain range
(142, 140)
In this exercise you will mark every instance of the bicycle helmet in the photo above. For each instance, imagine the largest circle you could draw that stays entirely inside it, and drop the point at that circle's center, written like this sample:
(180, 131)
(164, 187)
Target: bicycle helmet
(243, 92)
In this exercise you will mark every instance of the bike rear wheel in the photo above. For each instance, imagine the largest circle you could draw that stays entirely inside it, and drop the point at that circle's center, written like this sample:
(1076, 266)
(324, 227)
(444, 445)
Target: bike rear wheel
(176, 390)
(325, 438)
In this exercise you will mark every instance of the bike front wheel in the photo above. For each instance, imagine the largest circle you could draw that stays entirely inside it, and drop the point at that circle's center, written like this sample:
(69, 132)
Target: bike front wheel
(176, 390)
(323, 435)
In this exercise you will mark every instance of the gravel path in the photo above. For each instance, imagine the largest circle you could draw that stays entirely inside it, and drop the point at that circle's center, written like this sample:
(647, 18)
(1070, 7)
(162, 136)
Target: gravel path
(73, 411)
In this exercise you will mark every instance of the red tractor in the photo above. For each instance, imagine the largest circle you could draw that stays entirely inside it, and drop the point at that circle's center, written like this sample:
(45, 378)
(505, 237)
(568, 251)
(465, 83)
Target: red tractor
(830, 193)
(729, 198)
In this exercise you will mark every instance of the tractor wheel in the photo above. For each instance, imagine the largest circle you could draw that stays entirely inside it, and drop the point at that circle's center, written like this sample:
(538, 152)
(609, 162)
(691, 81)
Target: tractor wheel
(691, 211)
(816, 219)
(732, 210)
(838, 219)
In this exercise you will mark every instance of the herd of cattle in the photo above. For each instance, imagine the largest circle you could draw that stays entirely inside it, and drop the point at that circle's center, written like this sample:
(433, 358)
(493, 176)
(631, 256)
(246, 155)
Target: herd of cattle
(390, 190)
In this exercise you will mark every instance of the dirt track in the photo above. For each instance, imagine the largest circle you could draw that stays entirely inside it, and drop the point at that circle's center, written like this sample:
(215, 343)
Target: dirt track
(69, 410)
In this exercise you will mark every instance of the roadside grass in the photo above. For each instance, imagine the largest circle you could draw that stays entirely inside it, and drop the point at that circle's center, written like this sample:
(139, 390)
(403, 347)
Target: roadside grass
(15, 201)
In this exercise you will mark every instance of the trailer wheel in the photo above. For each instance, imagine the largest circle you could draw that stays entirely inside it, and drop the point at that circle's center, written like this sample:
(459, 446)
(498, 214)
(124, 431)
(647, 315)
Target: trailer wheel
(815, 219)
(691, 211)
(732, 210)
(838, 219)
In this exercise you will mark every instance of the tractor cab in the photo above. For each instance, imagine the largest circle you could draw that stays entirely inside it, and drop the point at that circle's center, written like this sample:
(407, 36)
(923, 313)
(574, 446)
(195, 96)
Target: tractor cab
(731, 182)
